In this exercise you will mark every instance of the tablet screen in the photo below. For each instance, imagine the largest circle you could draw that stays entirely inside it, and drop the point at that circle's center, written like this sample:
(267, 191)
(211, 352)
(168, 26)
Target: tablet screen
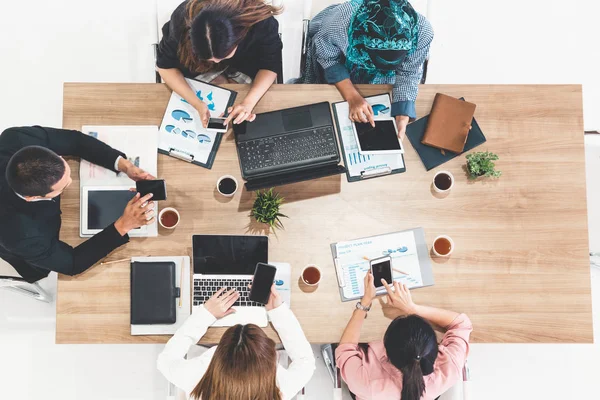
(382, 137)
(106, 206)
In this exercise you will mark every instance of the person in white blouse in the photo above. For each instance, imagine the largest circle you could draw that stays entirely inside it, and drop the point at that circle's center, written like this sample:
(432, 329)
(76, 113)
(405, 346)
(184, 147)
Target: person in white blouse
(244, 364)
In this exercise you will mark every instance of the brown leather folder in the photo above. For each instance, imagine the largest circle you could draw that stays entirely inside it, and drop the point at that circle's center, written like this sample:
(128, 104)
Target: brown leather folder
(449, 123)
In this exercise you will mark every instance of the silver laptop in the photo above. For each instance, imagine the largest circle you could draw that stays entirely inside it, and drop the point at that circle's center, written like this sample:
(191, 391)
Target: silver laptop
(229, 261)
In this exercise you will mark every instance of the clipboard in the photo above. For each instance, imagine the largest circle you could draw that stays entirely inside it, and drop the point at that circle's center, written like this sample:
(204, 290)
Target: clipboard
(368, 174)
(422, 253)
(182, 136)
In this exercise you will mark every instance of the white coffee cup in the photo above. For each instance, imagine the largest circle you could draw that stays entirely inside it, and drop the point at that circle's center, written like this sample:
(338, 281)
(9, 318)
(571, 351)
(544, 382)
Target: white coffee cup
(439, 190)
(307, 282)
(219, 183)
(441, 237)
(167, 209)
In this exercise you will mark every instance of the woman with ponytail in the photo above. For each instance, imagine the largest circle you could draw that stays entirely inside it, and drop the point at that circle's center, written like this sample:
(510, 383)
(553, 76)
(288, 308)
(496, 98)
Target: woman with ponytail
(408, 364)
(221, 41)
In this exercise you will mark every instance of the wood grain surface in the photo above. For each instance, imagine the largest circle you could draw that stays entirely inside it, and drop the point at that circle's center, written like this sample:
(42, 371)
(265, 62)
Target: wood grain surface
(520, 269)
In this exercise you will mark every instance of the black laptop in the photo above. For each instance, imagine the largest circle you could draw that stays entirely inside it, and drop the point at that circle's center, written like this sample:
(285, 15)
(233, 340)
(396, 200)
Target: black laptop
(288, 146)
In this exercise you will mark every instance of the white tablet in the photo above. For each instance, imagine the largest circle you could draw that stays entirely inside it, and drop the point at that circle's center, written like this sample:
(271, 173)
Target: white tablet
(382, 139)
(102, 206)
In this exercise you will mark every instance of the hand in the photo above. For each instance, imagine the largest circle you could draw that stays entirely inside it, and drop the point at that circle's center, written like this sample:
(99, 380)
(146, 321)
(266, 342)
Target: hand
(138, 212)
(360, 110)
(370, 291)
(219, 305)
(241, 112)
(274, 299)
(202, 109)
(402, 121)
(133, 172)
(400, 299)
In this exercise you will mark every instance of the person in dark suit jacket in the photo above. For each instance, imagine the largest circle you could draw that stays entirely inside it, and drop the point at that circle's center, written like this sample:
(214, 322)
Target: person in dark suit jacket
(33, 175)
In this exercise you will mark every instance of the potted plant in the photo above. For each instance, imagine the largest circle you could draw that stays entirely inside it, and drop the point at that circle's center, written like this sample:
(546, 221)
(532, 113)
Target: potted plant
(266, 208)
(482, 164)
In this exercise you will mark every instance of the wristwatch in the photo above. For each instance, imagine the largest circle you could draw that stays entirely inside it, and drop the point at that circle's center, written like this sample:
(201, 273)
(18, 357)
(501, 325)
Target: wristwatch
(359, 306)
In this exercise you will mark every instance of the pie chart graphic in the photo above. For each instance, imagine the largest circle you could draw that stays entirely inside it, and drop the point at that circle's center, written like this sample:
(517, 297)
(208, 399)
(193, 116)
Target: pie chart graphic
(181, 115)
(203, 138)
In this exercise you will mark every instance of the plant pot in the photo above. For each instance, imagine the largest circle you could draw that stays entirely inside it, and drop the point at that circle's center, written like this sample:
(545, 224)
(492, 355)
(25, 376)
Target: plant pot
(471, 174)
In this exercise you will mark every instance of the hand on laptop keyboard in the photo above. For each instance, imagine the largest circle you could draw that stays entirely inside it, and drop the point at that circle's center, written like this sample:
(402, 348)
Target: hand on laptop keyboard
(220, 303)
(205, 288)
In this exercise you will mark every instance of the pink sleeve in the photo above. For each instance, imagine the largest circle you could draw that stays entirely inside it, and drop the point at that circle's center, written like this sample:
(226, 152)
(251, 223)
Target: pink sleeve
(452, 355)
(351, 361)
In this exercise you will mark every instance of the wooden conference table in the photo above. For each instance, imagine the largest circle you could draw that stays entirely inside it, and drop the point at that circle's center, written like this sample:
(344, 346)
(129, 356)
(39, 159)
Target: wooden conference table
(520, 269)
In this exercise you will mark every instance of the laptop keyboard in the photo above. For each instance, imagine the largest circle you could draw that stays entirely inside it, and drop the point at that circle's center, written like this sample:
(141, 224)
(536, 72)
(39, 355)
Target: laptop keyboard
(286, 150)
(205, 288)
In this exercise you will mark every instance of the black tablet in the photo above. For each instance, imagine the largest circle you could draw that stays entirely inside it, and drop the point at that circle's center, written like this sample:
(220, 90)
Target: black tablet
(381, 139)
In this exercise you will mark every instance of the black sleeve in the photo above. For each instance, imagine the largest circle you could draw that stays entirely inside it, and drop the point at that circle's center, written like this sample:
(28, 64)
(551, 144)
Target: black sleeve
(166, 54)
(54, 255)
(269, 46)
(63, 142)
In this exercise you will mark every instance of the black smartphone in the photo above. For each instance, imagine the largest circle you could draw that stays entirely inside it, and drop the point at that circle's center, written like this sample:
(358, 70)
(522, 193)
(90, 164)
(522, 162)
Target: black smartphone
(264, 275)
(158, 188)
(382, 269)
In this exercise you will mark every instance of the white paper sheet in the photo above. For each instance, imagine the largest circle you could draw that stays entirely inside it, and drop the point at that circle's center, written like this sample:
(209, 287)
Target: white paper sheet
(401, 247)
(181, 128)
(355, 162)
(283, 281)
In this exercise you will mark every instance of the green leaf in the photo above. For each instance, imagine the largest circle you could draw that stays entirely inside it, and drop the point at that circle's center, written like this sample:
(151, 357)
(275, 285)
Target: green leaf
(266, 208)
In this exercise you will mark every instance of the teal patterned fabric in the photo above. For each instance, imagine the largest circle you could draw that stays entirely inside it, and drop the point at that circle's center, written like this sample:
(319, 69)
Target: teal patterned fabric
(380, 35)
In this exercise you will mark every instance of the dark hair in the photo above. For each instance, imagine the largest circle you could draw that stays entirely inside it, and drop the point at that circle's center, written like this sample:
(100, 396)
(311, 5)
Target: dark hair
(33, 170)
(213, 29)
(411, 346)
(244, 366)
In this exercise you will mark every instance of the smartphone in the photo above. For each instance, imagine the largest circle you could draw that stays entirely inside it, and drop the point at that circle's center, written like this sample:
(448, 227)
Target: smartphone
(264, 275)
(381, 269)
(158, 188)
(215, 124)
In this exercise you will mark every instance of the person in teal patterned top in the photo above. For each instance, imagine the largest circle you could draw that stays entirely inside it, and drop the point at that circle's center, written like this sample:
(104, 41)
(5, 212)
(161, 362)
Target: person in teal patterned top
(370, 41)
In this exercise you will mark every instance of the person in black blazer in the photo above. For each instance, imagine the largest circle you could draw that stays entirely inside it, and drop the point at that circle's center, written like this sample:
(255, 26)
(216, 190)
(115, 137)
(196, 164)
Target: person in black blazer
(33, 174)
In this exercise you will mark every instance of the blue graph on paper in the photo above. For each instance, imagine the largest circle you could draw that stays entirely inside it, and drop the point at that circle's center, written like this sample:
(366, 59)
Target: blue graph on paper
(209, 99)
(356, 158)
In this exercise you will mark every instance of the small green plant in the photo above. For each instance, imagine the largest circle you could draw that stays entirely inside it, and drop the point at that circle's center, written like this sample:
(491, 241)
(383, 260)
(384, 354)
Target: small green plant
(266, 208)
(482, 164)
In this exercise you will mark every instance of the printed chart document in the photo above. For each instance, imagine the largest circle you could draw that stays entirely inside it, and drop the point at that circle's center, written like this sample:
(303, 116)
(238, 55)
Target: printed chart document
(358, 163)
(401, 247)
(181, 133)
(137, 142)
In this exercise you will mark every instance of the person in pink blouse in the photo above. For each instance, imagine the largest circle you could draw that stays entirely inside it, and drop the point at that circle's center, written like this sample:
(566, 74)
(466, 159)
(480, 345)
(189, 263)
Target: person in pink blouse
(408, 364)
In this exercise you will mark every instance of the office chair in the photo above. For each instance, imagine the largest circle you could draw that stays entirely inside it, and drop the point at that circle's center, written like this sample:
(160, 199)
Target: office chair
(15, 283)
(592, 143)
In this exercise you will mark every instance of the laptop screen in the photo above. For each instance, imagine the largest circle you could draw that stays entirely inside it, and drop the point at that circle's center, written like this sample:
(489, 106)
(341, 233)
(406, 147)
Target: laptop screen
(228, 255)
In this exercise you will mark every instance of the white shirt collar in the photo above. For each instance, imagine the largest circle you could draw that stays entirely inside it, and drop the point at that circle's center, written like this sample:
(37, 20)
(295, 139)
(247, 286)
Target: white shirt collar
(40, 199)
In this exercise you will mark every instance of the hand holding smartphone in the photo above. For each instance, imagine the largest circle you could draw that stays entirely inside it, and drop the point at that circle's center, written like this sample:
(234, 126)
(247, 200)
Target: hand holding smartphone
(158, 188)
(381, 268)
(264, 275)
(217, 124)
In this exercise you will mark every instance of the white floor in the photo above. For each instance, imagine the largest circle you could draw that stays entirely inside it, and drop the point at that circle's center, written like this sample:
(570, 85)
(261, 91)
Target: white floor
(46, 43)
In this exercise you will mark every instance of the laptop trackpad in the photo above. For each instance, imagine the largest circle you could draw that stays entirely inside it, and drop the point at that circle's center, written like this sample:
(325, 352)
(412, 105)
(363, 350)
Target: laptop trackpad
(294, 120)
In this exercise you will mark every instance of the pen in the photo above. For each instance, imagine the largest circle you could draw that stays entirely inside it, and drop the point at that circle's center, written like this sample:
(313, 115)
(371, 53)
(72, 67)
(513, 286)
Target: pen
(114, 262)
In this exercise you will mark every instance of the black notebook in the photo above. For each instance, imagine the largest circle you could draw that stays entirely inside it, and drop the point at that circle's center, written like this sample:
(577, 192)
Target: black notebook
(153, 293)
(433, 157)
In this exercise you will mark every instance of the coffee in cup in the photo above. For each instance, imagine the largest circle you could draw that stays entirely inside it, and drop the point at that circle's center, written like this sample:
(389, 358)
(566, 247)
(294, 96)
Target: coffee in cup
(443, 246)
(227, 185)
(311, 275)
(443, 182)
(168, 218)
